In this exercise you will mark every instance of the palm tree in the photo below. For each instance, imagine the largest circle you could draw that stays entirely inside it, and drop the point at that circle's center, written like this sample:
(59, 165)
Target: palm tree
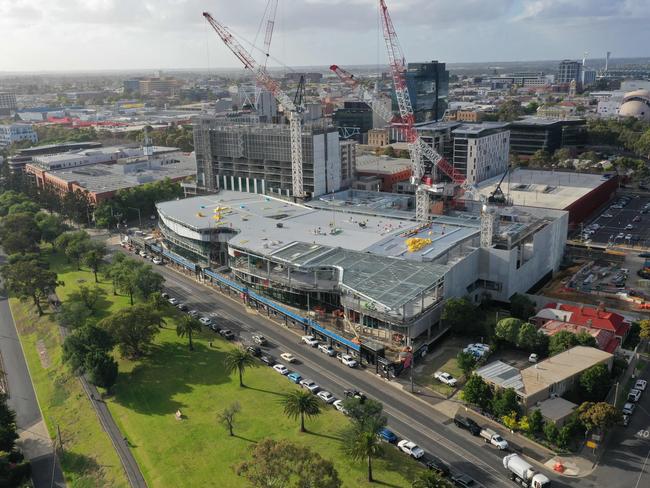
(238, 360)
(361, 442)
(186, 326)
(157, 301)
(429, 479)
(300, 403)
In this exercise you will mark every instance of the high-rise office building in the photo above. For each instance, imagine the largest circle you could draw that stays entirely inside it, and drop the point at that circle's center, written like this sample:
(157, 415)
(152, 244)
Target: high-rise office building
(7, 103)
(256, 158)
(428, 86)
(568, 71)
(354, 120)
(481, 150)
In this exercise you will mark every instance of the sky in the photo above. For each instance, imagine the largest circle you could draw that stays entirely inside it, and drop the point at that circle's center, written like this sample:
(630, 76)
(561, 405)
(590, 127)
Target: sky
(44, 35)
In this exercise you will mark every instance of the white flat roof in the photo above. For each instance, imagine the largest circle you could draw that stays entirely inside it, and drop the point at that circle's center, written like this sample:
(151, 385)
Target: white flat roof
(548, 189)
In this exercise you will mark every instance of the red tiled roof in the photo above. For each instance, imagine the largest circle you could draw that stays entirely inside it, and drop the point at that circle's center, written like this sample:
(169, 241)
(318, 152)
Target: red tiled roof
(612, 345)
(592, 316)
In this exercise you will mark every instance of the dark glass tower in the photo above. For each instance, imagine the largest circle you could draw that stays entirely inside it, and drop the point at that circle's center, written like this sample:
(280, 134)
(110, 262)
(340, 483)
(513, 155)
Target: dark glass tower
(428, 86)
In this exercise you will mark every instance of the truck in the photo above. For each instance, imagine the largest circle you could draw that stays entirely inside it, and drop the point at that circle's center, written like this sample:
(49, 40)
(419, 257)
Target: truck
(494, 438)
(522, 472)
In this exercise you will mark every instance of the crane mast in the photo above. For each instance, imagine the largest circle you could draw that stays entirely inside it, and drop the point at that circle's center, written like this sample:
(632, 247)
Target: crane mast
(263, 78)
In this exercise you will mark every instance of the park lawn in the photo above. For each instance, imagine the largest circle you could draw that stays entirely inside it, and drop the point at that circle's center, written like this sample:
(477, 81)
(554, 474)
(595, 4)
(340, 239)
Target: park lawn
(197, 450)
(89, 459)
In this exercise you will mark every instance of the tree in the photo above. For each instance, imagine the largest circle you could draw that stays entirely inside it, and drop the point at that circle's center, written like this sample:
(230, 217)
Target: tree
(73, 315)
(124, 275)
(301, 403)
(510, 420)
(227, 416)
(644, 329)
(389, 151)
(50, 226)
(531, 339)
(93, 256)
(584, 338)
(83, 342)
(365, 412)
(521, 306)
(429, 479)
(284, 464)
(505, 402)
(510, 110)
(507, 330)
(238, 360)
(539, 158)
(90, 297)
(186, 326)
(560, 155)
(590, 156)
(132, 329)
(73, 244)
(477, 392)
(101, 369)
(595, 382)
(460, 315)
(362, 443)
(551, 432)
(536, 421)
(28, 279)
(19, 233)
(14, 470)
(561, 341)
(466, 362)
(158, 302)
(147, 281)
(601, 416)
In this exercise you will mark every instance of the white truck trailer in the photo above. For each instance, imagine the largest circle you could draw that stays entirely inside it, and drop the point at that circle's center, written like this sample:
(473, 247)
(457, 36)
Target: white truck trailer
(523, 473)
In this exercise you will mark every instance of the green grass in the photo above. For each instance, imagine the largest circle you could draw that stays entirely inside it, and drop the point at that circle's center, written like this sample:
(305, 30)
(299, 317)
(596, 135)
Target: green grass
(88, 459)
(197, 451)
(425, 376)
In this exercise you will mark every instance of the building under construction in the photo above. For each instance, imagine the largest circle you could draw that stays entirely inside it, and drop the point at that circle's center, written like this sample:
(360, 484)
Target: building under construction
(362, 257)
(242, 155)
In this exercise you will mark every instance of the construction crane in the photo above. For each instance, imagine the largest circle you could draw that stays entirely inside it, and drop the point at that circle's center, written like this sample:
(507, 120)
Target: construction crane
(378, 106)
(271, 8)
(420, 174)
(497, 196)
(263, 78)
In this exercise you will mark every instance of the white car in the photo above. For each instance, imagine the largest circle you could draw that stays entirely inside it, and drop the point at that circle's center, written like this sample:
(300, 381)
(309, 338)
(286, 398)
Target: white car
(173, 301)
(205, 321)
(326, 396)
(633, 395)
(628, 408)
(411, 448)
(533, 358)
(310, 385)
(288, 357)
(640, 385)
(143, 254)
(327, 349)
(156, 261)
(309, 340)
(338, 404)
(281, 368)
(445, 378)
(348, 360)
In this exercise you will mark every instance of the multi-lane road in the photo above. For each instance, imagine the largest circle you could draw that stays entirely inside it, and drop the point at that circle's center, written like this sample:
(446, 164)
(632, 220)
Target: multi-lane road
(408, 416)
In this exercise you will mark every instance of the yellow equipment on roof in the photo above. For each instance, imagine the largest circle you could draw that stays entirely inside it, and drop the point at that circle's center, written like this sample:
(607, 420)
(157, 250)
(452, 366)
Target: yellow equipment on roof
(414, 244)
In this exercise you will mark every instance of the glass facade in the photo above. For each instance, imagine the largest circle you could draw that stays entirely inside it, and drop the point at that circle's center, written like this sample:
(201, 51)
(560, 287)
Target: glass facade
(428, 86)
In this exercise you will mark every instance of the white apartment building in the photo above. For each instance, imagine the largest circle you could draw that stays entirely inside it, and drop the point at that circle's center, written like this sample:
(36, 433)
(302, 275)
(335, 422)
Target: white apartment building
(609, 103)
(12, 133)
(481, 151)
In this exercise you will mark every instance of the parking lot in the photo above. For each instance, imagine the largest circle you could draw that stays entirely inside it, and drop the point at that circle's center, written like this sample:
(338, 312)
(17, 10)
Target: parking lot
(626, 222)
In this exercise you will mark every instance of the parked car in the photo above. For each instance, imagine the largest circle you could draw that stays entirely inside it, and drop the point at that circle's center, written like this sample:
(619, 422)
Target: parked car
(338, 404)
(281, 368)
(348, 360)
(165, 295)
(326, 396)
(295, 377)
(267, 359)
(628, 408)
(354, 394)
(633, 395)
(387, 435)
(437, 465)
(327, 349)
(227, 334)
(640, 385)
(445, 378)
(260, 339)
(142, 254)
(182, 307)
(468, 424)
(533, 358)
(310, 385)
(494, 438)
(193, 313)
(607, 215)
(173, 301)
(206, 321)
(411, 448)
(626, 420)
(156, 260)
(288, 357)
(309, 340)
(254, 350)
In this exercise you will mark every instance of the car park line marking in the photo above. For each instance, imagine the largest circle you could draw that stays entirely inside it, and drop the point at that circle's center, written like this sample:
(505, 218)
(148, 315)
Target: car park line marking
(642, 470)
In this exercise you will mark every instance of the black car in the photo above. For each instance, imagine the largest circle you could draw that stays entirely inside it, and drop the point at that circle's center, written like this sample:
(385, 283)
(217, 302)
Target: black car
(467, 423)
(354, 394)
(182, 307)
(215, 327)
(463, 481)
(227, 334)
(260, 339)
(268, 360)
(254, 350)
(437, 465)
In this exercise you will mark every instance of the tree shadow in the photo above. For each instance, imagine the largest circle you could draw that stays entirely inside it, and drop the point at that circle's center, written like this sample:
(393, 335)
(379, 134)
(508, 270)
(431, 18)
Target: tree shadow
(245, 439)
(169, 369)
(375, 481)
(276, 393)
(79, 464)
(326, 436)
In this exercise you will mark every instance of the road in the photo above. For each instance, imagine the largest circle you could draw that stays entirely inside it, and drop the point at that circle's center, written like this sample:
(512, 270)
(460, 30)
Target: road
(22, 399)
(408, 416)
